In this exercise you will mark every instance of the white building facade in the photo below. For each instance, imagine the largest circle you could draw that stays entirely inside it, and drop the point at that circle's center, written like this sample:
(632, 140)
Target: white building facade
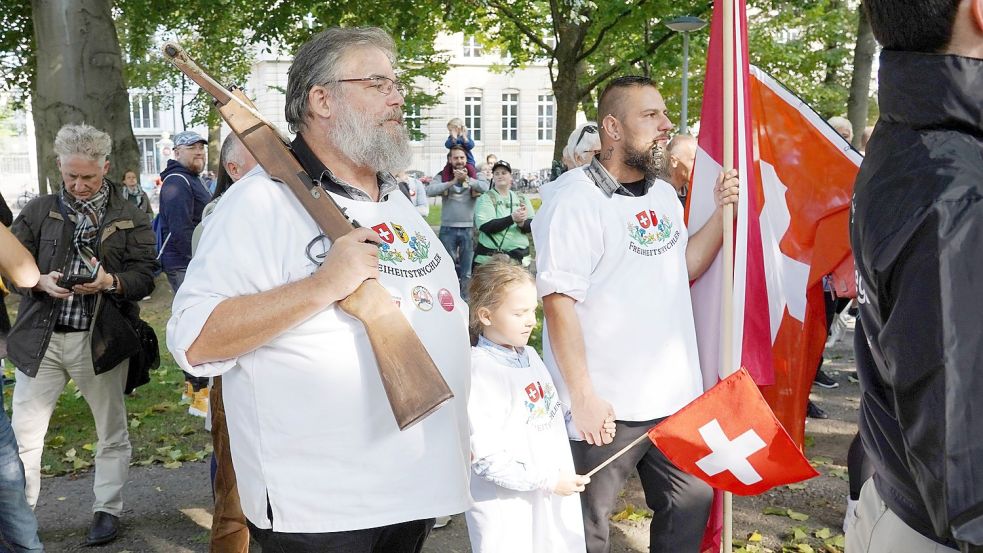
(509, 113)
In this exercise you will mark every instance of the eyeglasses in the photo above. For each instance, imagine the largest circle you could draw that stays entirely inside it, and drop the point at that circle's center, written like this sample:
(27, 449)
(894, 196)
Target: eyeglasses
(587, 129)
(384, 85)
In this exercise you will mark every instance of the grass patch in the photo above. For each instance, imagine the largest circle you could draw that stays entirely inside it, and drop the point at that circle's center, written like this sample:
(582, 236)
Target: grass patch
(161, 431)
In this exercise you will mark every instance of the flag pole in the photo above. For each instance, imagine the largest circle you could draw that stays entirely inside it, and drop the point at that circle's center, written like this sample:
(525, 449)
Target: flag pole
(624, 450)
(727, 308)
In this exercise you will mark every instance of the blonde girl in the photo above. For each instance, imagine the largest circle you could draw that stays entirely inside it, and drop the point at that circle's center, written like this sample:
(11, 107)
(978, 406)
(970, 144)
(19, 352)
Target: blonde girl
(524, 484)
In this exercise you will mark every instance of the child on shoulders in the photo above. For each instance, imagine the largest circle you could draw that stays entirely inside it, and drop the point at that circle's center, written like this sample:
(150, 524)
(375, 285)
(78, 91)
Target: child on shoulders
(457, 133)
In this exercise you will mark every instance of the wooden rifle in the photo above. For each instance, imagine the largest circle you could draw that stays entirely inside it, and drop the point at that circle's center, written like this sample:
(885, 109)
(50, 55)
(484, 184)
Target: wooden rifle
(413, 384)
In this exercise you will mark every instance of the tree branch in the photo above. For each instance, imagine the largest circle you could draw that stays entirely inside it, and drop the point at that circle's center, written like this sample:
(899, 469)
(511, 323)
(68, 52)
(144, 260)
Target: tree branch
(600, 36)
(521, 25)
(605, 75)
(651, 48)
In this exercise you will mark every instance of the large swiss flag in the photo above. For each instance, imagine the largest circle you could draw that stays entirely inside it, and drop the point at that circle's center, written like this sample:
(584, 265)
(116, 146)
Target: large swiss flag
(730, 438)
(792, 228)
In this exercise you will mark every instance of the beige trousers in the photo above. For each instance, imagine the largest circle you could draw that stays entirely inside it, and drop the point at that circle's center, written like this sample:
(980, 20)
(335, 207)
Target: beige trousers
(69, 357)
(878, 530)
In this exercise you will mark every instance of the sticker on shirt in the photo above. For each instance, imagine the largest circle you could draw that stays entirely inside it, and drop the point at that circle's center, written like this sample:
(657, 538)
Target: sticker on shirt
(542, 403)
(446, 299)
(422, 298)
(398, 247)
(650, 234)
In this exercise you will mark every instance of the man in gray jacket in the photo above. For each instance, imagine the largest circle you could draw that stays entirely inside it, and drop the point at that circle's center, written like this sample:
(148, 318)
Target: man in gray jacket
(458, 195)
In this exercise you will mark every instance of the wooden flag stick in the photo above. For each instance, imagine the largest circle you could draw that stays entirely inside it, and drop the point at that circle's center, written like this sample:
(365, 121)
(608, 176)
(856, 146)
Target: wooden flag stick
(727, 308)
(624, 450)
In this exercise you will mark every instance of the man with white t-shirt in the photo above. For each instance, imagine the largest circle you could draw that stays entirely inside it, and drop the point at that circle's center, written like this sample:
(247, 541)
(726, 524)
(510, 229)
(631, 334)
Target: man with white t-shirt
(320, 462)
(614, 264)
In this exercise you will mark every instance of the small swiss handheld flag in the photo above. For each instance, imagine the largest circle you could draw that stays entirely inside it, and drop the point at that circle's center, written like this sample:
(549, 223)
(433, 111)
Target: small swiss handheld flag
(729, 438)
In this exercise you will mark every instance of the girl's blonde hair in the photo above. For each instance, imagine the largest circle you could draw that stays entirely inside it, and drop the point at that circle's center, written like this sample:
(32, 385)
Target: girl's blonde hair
(489, 283)
(455, 122)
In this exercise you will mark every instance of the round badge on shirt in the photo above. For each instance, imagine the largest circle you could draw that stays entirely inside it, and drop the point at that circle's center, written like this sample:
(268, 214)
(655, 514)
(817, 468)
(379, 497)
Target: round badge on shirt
(422, 298)
(446, 299)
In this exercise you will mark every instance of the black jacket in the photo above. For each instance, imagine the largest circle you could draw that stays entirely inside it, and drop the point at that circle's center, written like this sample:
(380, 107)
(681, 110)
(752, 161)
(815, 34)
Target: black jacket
(917, 235)
(126, 247)
(182, 199)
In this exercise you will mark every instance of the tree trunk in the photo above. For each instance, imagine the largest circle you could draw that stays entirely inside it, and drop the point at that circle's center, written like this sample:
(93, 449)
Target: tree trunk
(567, 102)
(863, 62)
(79, 79)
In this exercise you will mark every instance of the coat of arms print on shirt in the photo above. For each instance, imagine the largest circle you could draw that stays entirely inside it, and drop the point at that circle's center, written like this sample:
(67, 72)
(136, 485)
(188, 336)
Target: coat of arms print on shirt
(651, 234)
(398, 246)
(542, 403)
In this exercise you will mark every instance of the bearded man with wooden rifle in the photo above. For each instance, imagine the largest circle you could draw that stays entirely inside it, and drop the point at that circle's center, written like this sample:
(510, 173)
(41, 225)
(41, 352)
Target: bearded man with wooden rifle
(320, 463)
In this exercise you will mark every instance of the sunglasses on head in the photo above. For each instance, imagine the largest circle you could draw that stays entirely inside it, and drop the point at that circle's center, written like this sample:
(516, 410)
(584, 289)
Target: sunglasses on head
(587, 129)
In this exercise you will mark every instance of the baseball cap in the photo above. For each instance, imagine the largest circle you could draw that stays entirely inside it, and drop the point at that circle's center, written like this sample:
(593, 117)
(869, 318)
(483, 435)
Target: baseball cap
(188, 138)
(502, 163)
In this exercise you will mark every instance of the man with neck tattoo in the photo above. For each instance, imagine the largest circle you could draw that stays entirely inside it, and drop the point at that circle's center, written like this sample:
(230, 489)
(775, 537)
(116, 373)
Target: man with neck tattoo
(614, 263)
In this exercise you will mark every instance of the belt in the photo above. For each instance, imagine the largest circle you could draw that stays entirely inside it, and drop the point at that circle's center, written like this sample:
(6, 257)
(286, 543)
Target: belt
(66, 328)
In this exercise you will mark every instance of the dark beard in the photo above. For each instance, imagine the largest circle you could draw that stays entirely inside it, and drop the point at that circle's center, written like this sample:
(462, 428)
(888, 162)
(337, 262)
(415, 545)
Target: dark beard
(653, 163)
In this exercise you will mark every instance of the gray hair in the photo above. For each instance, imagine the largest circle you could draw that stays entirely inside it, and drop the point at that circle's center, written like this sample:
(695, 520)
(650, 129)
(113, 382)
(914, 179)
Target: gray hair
(232, 150)
(841, 124)
(83, 140)
(580, 144)
(318, 62)
(679, 141)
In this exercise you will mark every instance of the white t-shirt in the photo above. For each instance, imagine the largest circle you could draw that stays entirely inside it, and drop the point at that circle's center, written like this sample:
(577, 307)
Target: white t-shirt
(623, 259)
(516, 410)
(309, 423)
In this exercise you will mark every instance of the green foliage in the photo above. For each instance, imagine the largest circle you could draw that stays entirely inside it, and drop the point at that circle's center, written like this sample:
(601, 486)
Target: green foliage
(16, 48)
(808, 46)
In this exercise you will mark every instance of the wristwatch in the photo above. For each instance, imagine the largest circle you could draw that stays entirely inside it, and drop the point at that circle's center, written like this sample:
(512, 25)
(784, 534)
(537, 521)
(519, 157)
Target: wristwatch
(115, 284)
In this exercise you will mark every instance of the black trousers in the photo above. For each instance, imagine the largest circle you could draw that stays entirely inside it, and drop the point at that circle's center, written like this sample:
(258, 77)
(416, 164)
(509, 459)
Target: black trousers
(405, 537)
(680, 502)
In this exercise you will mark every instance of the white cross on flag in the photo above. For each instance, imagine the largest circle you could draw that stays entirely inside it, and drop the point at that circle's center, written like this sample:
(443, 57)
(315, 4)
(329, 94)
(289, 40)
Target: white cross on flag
(730, 438)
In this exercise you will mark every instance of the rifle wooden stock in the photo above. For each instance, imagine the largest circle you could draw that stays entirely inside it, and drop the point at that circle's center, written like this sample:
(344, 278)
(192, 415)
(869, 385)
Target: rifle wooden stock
(413, 384)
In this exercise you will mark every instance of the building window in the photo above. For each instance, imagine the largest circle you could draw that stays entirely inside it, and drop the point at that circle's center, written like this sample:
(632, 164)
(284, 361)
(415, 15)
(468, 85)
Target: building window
(414, 121)
(472, 114)
(510, 116)
(545, 116)
(471, 47)
(143, 112)
(149, 160)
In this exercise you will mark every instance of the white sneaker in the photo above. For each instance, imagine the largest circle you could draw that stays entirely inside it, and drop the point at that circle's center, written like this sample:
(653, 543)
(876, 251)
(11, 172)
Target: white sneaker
(441, 522)
(851, 514)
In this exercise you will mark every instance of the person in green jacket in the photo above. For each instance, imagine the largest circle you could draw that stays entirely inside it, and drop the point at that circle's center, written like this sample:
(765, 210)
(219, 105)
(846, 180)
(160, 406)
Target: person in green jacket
(503, 219)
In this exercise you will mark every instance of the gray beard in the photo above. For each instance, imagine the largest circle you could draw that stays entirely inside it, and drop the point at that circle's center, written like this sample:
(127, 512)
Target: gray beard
(653, 163)
(369, 144)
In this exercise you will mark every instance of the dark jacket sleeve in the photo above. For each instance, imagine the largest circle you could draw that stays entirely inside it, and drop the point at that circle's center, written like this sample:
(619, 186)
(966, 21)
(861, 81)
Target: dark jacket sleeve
(935, 307)
(6, 216)
(497, 225)
(177, 207)
(139, 259)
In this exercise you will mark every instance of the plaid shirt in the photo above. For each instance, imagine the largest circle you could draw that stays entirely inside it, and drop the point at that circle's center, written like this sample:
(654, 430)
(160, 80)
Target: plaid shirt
(76, 311)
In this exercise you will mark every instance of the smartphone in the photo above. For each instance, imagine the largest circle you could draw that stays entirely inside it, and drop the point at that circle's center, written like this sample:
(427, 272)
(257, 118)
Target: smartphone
(89, 273)
(67, 281)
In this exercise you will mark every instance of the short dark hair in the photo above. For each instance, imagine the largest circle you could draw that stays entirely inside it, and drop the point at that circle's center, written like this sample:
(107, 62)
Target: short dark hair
(456, 147)
(912, 26)
(611, 97)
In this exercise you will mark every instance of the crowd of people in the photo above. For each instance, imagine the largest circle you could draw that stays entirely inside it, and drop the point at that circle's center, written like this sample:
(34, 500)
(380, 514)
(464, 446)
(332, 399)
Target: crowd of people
(260, 315)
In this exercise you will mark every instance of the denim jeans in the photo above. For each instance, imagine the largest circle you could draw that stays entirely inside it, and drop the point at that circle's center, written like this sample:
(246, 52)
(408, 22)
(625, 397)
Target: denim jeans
(18, 525)
(459, 243)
